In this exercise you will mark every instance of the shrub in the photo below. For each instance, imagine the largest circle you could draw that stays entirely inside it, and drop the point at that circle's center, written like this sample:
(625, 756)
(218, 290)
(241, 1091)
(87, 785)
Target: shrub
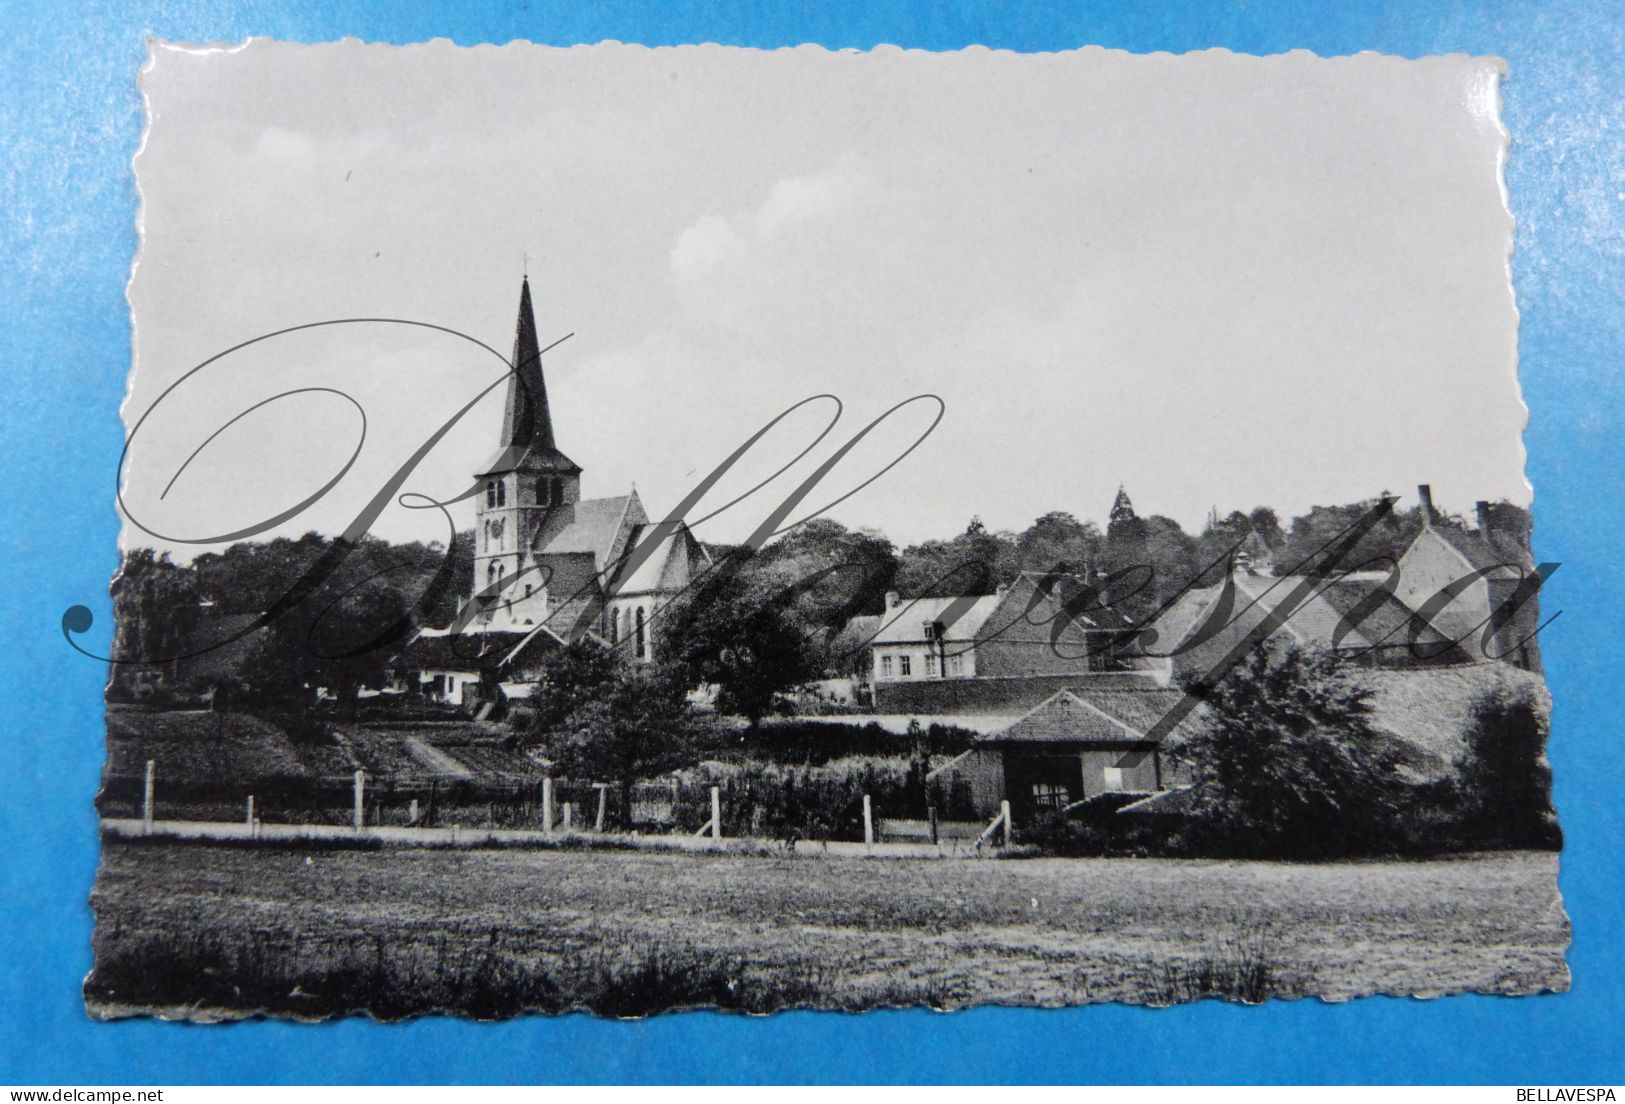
(1506, 783)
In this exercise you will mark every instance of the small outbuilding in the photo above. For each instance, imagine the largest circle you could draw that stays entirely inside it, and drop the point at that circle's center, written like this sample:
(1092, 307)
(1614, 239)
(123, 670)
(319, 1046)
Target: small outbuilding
(1077, 744)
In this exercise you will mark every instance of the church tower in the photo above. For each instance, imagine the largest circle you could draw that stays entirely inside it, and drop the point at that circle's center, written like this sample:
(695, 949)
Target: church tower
(526, 481)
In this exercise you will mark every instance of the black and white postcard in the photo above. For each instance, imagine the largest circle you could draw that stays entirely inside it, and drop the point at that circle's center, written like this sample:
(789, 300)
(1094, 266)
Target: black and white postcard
(631, 530)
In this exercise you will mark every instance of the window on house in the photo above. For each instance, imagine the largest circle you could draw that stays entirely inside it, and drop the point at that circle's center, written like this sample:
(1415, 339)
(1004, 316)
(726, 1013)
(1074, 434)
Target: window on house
(1051, 795)
(928, 630)
(930, 666)
(1113, 777)
(956, 664)
(903, 665)
(885, 666)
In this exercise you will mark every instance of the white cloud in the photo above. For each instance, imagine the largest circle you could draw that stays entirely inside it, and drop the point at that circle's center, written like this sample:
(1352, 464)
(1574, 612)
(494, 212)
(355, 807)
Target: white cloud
(714, 243)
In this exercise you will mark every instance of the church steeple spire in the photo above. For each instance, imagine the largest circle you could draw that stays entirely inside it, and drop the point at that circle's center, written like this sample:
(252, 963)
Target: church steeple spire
(527, 422)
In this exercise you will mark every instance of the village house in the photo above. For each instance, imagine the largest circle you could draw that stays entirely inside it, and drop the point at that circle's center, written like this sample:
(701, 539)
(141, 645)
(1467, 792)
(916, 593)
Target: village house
(550, 567)
(1000, 652)
(1486, 566)
(1368, 617)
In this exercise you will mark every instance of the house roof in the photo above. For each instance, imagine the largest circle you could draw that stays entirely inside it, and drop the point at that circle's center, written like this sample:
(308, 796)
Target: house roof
(1034, 604)
(1378, 617)
(905, 622)
(1483, 550)
(1428, 707)
(1083, 715)
(494, 649)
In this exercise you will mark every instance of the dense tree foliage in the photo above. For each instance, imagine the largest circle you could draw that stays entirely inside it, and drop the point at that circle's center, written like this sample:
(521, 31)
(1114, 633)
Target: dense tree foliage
(1285, 760)
(626, 722)
(742, 630)
(1506, 784)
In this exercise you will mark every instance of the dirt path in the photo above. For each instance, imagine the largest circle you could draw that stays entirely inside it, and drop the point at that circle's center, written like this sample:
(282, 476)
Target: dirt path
(435, 759)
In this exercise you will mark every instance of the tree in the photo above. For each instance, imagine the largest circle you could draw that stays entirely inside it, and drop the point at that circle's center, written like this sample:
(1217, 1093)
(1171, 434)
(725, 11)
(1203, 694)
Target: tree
(737, 630)
(1285, 761)
(577, 674)
(831, 573)
(638, 725)
(1506, 784)
(1309, 547)
(977, 561)
(1058, 540)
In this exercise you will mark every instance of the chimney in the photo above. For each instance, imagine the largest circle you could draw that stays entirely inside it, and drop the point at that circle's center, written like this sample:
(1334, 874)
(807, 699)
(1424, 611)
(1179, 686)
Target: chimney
(891, 599)
(1424, 493)
(1485, 523)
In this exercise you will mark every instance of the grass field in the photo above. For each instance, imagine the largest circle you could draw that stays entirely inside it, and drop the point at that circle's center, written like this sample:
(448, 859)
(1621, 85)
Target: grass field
(210, 931)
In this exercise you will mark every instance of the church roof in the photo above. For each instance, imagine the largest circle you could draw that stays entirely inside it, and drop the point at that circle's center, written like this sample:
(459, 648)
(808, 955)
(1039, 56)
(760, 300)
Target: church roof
(527, 420)
(590, 525)
(668, 566)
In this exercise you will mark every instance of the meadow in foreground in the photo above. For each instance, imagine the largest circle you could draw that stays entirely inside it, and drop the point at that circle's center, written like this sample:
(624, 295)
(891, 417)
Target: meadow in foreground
(207, 931)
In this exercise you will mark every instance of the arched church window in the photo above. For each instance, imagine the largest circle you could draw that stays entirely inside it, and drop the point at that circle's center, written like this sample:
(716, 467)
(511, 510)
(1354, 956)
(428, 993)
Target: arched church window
(502, 492)
(491, 573)
(555, 490)
(614, 628)
(642, 637)
(490, 492)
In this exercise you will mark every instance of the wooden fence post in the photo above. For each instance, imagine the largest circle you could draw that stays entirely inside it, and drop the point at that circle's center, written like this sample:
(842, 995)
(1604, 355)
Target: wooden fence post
(603, 801)
(935, 840)
(716, 814)
(360, 798)
(412, 812)
(569, 809)
(547, 806)
(1004, 811)
(868, 825)
(146, 798)
(250, 820)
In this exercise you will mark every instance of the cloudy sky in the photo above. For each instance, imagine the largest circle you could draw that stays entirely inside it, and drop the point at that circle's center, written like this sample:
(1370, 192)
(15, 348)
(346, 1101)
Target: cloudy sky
(1218, 280)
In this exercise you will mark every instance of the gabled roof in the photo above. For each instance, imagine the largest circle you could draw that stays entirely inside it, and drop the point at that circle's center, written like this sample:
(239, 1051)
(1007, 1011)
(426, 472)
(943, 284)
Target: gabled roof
(590, 525)
(1482, 550)
(1382, 619)
(464, 651)
(667, 566)
(905, 622)
(1083, 715)
(1034, 604)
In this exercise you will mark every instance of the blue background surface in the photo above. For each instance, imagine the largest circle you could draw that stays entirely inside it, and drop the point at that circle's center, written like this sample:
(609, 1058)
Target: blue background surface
(70, 120)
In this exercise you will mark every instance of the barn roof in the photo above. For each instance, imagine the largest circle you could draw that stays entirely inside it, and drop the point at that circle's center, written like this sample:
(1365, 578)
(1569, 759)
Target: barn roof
(1084, 715)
